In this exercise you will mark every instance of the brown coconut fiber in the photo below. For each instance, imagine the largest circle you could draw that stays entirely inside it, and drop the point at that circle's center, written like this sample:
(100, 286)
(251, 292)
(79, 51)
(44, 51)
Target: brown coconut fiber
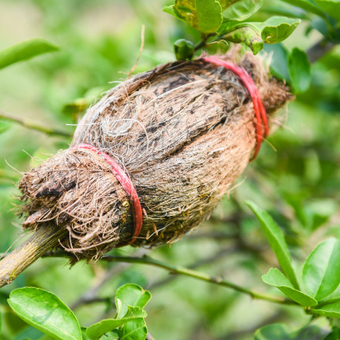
(183, 133)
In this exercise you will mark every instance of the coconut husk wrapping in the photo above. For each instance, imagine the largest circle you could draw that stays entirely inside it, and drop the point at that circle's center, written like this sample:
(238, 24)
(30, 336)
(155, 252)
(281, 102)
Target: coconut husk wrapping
(183, 132)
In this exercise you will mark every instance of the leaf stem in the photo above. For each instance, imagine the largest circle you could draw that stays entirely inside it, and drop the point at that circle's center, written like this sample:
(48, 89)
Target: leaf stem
(33, 125)
(203, 42)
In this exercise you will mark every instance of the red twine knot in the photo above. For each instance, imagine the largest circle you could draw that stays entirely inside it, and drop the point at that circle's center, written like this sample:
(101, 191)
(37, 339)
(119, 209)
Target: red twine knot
(260, 111)
(127, 185)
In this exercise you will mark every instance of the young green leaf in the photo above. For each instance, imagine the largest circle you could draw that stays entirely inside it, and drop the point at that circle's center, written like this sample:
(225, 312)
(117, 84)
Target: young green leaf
(204, 15)
(275, 278)
(209, 15)
(276, 240)
(46, 312)
(331, 7)
(240, 10)
(220, 46)
(98, 329)
(307, 5)
(309, 333)
(184, 49)
(299, 70)
(134, 330)
(279, 332)
(248, 36)
(83, 333)
(130, 295)
(277, 29)
(30, 333)
(331, 310)
(254, 34)
(321, 271)
(279, 62)
(334, 335)
(275, 331)
(25, 50)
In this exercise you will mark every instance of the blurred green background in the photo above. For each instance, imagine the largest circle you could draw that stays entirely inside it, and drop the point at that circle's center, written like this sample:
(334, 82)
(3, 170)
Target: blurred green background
(296, 177)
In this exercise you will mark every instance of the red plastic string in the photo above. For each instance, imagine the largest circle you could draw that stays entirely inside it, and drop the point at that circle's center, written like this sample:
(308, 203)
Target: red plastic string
(127, 185)
(260, 111)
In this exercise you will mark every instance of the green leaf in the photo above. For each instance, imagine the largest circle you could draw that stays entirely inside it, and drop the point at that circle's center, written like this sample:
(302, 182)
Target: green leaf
(286, 10)
(306, 5)
(275, 278)
(254, 34)
(134, 330)
(25, 50)
(184, 49)
(279, 61)
(276, 240)
(170, 10)
(98, 329)
(130, 295)
(114, 335)
(31, 333)
(321, 271)
(334, 335)
(46, 312)
(331, 7)
(331, 310)
(247, 36)
(184, 10)
(217, 47)
(279, 332)
(299, 70)
(277, 29)
(204, 15)
(209, 15)
(309, 333)
(240, 10)
(275, 331)
(83, 333)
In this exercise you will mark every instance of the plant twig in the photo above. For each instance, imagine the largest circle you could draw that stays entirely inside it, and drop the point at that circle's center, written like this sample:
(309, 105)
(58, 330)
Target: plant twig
(17, 261)
(188, 272)
(319, 49)
(91, 295)
(203, 262)
(33, 125)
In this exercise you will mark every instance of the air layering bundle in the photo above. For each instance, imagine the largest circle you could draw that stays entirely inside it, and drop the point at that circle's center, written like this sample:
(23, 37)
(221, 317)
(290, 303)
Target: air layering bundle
(151, 160)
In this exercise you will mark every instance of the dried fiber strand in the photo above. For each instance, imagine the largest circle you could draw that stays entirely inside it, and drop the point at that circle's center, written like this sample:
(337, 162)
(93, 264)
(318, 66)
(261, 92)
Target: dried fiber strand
(183, 133)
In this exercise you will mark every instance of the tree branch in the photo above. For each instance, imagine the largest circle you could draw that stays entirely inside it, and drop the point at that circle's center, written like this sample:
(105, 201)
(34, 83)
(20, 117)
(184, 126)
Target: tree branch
(18, 260)
(318, 50)
(33, 125)
(146, 260)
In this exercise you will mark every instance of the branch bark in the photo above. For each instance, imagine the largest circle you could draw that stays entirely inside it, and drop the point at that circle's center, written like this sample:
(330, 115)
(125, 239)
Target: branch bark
(17, 261)
(318, 50)
(33, 125)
